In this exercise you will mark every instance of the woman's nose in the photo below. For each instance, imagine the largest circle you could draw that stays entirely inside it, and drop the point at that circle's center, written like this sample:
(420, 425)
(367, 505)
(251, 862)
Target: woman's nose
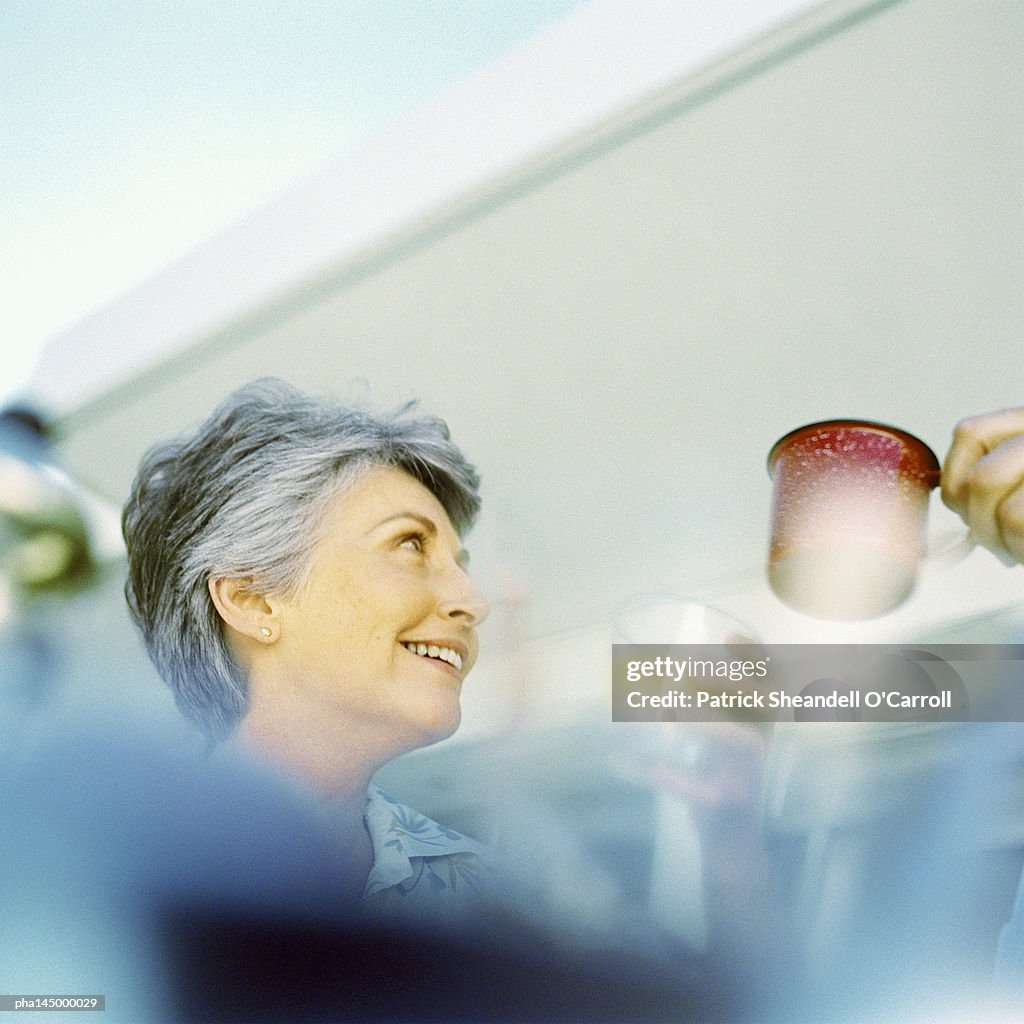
(461, 600)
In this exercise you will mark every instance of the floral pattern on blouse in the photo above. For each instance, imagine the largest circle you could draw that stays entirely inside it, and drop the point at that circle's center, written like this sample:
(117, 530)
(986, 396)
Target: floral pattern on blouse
(419, 866)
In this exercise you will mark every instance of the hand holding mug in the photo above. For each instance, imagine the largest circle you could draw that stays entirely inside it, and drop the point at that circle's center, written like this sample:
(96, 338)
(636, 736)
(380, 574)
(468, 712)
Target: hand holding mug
(983, 480)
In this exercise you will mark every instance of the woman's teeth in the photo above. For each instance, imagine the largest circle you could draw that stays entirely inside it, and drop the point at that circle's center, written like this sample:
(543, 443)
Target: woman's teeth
(432, 651)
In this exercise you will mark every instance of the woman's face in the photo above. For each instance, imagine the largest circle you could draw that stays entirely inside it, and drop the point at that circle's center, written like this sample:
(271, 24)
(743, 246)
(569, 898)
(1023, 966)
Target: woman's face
(384, 631)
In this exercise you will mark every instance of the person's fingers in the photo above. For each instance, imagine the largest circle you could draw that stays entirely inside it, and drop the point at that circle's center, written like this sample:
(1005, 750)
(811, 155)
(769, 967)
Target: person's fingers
(973, 439)
(988, 496)
(1010, 519)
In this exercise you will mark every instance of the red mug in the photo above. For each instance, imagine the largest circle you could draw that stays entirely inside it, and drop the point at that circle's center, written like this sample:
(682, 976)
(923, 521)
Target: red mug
(849, 516)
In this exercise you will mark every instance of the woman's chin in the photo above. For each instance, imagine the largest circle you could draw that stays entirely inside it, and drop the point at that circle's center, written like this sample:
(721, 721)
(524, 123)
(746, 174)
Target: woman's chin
(438, 723)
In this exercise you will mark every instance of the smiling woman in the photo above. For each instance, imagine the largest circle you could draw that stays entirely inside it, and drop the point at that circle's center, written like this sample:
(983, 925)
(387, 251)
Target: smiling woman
(297, 572)
(374, 644)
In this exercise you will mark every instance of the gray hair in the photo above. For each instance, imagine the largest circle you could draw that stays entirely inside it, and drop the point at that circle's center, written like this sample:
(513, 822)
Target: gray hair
(245, 495)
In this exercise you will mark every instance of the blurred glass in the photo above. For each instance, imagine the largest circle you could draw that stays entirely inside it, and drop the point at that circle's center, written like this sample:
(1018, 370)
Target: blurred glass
(696, 771)
(668, 619)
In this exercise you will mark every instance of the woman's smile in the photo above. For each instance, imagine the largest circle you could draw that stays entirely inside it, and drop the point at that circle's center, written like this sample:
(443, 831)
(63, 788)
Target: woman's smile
(434, 650)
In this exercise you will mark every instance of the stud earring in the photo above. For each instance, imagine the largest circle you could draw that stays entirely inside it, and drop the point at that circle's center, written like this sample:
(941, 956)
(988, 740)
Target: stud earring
(266, 632)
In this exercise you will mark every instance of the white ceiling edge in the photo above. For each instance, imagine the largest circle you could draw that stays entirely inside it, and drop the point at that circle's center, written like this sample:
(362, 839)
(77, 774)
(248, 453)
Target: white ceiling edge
(593, 65)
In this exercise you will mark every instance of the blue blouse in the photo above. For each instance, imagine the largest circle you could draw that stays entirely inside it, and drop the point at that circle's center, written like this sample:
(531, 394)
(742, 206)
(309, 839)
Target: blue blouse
(419, 866)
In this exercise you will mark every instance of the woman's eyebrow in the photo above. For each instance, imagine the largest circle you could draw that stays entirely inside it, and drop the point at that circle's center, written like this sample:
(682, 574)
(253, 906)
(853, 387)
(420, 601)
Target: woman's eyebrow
(421, 518)
(428, 524)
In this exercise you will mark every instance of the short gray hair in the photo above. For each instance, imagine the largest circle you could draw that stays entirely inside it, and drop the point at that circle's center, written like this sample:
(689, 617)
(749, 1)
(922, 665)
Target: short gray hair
(245, 495)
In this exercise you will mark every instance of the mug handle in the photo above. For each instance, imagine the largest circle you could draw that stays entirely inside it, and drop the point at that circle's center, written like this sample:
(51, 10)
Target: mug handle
(957, 550)
(954, 550)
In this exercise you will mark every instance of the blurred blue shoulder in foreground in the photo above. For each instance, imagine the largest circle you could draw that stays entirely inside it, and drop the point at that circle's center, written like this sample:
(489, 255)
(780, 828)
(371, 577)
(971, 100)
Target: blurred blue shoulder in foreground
(113, 828)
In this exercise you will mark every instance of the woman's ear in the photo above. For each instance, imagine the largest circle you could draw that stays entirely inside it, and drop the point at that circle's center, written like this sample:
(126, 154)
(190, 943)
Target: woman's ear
(245, 609)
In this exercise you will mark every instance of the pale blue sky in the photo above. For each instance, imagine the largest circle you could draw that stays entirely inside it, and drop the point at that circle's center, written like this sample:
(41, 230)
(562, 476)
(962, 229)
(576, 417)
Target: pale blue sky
(130, 130)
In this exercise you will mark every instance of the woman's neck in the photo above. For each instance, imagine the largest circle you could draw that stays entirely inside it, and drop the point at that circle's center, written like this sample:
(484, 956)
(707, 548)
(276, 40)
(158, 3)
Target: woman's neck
(334, 757)
(338, 784)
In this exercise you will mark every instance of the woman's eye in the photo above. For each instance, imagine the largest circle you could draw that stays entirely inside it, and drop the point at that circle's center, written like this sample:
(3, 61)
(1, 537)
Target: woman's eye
(414, 542)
